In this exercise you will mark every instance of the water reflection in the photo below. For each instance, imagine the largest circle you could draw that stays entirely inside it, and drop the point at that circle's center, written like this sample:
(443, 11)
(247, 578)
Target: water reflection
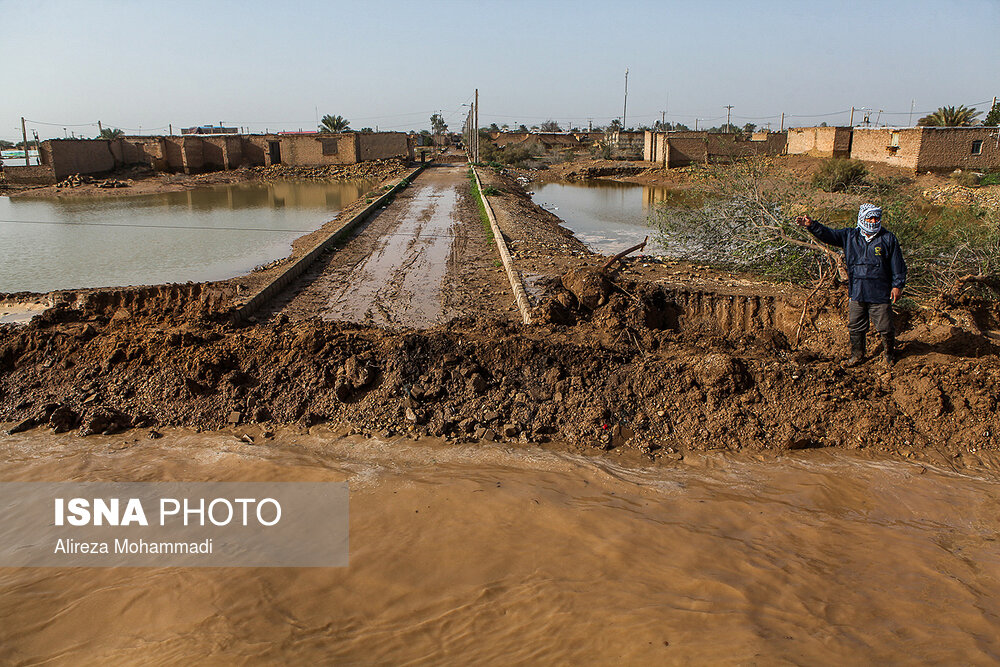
(203, 234)
(609, 216)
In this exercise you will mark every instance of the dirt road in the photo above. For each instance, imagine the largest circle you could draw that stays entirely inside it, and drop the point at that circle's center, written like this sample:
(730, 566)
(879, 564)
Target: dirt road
(422, 260)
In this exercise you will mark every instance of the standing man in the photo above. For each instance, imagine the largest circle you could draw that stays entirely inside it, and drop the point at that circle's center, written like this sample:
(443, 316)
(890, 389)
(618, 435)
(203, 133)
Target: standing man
(876, 276)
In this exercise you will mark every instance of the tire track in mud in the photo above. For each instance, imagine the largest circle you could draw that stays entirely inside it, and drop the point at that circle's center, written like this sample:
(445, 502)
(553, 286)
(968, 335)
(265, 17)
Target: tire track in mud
(412, 265)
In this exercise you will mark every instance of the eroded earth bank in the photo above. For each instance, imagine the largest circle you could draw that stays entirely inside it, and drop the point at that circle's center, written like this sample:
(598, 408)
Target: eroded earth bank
(655, 360)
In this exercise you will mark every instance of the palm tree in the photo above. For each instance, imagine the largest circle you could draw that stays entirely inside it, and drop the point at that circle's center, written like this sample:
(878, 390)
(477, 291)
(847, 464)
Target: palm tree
(334, 124)
(950, 117)
(111, 133)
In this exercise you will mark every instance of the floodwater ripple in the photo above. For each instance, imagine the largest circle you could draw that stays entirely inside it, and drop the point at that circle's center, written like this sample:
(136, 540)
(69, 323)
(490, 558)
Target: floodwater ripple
(493, 555)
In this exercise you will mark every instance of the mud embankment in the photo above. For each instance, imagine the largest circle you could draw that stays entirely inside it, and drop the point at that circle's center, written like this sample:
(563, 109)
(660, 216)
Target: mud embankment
(660, 361)
(654, 372)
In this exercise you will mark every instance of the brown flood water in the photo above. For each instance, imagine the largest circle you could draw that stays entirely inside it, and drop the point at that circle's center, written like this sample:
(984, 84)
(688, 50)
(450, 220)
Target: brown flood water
(485, 555)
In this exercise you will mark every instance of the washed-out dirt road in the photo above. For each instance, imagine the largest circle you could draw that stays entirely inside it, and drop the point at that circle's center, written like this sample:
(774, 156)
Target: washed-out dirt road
(421, 261)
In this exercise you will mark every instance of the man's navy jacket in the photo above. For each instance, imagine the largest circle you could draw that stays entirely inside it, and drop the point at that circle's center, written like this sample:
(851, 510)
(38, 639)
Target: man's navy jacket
(873, 267)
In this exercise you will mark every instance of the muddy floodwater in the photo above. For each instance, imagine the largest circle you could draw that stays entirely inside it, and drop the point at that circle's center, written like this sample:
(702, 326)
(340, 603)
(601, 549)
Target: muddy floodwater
(607, 215)
(487, 555)
(208, 233)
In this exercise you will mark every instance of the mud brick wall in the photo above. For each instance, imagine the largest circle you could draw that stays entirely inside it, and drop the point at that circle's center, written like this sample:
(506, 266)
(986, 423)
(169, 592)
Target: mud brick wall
(192, 153)
(213, 153)
(141, 150)
(309, 150)
(173, 153)
(725, 147)
(41, 174)
(820, 141)
(255, 149)
(949, 148)
(381, 145)
(684, 148)
(78, 156)
(655, 147)
(873, 145)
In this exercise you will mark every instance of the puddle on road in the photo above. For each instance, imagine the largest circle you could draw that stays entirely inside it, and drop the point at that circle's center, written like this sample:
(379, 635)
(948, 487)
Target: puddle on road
(400, 283)
(475, 555)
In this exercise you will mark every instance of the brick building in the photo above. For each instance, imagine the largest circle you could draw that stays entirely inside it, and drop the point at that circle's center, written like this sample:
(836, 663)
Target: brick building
(929, 148)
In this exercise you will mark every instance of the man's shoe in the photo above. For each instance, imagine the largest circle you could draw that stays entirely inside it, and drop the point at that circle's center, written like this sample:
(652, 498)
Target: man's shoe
(857, 351)
(889, 351)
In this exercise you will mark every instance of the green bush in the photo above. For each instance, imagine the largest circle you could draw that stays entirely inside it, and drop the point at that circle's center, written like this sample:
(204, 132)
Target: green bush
(840, 175)
(992, 178)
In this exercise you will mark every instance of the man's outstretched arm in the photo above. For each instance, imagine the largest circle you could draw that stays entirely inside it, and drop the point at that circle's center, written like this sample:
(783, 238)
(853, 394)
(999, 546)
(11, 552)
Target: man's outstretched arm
(834, 237)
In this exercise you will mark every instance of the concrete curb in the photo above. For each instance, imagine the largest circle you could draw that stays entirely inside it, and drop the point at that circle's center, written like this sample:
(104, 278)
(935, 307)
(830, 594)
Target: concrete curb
(242, 312)
(508, 264)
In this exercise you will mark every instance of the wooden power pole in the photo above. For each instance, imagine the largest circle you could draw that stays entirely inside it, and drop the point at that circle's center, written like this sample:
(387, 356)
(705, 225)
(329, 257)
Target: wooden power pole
(24, 135)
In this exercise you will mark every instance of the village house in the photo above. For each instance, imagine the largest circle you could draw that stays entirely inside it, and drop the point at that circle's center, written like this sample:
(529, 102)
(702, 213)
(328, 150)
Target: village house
(923, 149)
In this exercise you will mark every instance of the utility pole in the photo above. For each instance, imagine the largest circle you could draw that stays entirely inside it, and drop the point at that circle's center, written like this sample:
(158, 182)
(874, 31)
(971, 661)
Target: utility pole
(625, 105)
(878, 117)
(24, 135)
(100, 128)
(729, 111)
(909, 123)
(695, 124)
(476, 135)
(782, 122)
(852, 117)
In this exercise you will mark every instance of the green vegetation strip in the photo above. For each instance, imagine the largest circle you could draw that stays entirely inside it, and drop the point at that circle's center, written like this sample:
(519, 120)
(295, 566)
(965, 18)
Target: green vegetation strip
(481, 204)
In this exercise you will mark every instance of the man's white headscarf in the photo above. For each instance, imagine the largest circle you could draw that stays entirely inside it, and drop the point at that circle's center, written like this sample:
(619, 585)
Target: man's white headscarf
(869, 211)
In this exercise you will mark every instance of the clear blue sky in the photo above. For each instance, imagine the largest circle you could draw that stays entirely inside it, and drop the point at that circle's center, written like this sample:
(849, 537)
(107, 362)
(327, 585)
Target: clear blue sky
(392, 63)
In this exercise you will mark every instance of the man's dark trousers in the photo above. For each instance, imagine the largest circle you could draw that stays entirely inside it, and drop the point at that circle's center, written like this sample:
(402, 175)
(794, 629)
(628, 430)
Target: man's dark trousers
(858, 313)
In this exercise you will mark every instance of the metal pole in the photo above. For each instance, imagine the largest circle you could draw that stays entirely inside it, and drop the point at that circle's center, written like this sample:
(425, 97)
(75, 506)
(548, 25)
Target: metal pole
(477, 125)
(24, 135)
(729, 112)
(625, 105)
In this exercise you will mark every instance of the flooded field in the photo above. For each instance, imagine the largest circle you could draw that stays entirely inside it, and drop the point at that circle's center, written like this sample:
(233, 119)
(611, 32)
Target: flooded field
(607, 215)
(488, 555)
(203, 234)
